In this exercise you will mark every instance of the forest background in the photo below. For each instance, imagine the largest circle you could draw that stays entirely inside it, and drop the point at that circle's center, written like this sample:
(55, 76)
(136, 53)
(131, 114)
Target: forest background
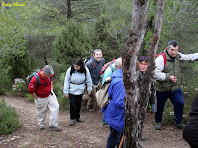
(53, 32)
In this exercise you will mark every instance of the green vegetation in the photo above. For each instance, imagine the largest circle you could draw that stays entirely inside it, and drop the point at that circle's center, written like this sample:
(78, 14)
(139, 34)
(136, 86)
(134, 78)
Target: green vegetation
(9, 119)
(51, 32)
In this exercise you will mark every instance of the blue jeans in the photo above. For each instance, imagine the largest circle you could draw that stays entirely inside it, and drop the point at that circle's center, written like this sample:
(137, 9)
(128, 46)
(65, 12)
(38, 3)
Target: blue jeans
(114, 138)
(176, 98)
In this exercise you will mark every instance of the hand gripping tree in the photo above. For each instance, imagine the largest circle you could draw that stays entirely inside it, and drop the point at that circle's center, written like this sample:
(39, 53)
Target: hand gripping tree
(134, 98)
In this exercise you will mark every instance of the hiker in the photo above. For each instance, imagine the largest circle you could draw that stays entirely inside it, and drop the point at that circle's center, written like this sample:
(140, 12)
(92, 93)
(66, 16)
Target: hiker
(113, 113)
(94, 65)
(108, 73)
(45, 98)
(77, 76)
(167, 77)
(143, 66)
(190, 131)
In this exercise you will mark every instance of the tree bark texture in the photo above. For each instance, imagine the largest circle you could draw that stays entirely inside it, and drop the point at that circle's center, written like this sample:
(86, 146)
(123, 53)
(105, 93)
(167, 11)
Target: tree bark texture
(139, 15)
(147, 79)
(69, 15)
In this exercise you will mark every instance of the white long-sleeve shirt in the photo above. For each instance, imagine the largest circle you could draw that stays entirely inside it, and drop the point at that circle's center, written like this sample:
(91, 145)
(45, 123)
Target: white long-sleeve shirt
(159, 63)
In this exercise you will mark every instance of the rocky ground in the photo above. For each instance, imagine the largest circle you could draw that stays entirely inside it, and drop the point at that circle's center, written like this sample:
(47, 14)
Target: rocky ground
(89, 134)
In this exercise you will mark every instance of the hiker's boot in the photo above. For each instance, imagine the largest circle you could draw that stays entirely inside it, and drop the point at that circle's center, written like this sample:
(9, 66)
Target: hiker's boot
(179, 125)
(55, 128)
(142, 138)
(158, 126)
(79, 120)
(91, 109)
(71, 122)
(42, 127)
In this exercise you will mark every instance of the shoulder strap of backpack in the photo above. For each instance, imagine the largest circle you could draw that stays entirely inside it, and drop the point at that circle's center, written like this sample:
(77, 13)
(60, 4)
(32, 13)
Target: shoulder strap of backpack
(91, 63)
(37, 78)
(164, 56)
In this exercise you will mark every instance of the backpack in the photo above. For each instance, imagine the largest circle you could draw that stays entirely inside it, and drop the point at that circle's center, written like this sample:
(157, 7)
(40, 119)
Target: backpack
(106, 66)
(164, 56)
(87, 59)
(102, 95)
(36, 76)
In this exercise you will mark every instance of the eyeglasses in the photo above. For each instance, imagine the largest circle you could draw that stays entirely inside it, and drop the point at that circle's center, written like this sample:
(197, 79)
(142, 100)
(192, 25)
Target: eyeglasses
(143, 63)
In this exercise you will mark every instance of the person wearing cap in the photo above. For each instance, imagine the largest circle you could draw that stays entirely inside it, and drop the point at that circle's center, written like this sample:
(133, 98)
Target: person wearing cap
(45, 98)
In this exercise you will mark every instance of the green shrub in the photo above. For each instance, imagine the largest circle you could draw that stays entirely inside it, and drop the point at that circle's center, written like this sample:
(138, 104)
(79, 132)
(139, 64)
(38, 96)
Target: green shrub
(9, 119)
(30, 98)
(58, 90)
(5, 82)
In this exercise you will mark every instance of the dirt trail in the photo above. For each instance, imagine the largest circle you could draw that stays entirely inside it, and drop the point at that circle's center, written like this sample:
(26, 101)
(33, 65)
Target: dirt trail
(89, 134)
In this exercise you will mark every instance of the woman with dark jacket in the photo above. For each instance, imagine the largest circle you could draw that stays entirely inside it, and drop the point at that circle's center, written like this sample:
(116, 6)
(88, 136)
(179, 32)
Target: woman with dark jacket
(190, 131)
(143, 66)
(77, 76)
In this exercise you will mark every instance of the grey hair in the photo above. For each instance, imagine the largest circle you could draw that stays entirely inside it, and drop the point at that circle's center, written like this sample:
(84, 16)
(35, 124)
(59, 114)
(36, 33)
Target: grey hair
(173, 42)
(48, 69)
(96, 50)
(117, 62)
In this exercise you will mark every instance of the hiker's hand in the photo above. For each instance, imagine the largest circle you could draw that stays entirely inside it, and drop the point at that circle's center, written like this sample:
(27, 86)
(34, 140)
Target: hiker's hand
(66, 95)
(88, 93)
(173, 79)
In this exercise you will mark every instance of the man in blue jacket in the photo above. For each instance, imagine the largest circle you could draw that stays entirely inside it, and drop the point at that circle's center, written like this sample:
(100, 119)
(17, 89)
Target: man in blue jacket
(114, 112)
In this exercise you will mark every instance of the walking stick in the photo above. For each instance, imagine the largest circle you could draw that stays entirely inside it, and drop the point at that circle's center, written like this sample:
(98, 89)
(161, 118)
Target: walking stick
(121, 142)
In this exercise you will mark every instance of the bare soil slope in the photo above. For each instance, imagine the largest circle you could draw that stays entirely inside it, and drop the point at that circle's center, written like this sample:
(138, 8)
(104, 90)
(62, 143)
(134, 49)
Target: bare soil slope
(89, 134)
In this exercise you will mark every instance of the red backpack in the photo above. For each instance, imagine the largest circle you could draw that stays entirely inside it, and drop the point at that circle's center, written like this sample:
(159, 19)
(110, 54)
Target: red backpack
(106, 66)
(164, 56)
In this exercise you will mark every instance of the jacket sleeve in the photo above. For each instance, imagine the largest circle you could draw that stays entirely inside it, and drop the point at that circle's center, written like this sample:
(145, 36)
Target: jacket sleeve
(152, 96)
(32, 85)
(67, 82)
(188, 57)
(159, 74)
(88, 80)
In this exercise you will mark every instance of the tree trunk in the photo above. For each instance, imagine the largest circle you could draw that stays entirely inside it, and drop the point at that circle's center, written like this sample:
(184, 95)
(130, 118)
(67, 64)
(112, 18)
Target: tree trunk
(147, 79)
(44, 51)
(69, 9)
(155, 40)
(139, 15)
(136, 101)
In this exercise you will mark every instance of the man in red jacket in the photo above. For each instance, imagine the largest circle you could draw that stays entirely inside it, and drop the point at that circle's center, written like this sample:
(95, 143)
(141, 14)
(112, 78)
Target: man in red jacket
(45, 98)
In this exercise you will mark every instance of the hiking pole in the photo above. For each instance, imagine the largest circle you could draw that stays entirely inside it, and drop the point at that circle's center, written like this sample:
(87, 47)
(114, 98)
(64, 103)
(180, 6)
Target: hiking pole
(121, 142)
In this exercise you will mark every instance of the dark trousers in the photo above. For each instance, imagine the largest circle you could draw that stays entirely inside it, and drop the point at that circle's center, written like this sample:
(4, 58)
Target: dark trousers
(190, 134)
(114, 138)
(176, 98)
(75, 105)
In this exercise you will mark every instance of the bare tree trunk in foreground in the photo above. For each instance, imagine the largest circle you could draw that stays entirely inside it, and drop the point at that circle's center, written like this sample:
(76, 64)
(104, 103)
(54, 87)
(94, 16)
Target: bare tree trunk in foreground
(139, 15)
(136, 100)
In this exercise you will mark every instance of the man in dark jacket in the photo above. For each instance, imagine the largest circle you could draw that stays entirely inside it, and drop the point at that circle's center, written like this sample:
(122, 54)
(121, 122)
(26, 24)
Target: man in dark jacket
(167, 82)
(114, 112)
(94, 65)
(190, 132)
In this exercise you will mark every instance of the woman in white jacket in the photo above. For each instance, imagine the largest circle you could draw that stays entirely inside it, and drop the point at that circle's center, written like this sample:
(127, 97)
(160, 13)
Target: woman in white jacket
(77, 76)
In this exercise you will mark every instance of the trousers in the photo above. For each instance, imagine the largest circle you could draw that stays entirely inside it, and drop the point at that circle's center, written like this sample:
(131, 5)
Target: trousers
(51, 103)
(75, 106)
(176, 98)
(114, 138)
